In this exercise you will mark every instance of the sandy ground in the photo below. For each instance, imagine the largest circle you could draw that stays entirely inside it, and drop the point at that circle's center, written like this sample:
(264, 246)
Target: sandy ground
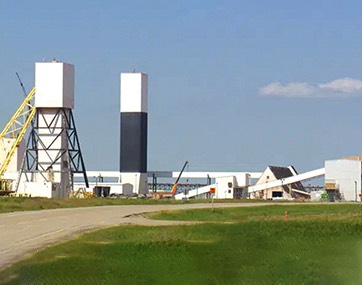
(23, 233)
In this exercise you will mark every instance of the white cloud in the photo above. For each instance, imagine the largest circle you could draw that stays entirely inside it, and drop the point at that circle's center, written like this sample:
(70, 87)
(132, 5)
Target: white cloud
(288, 90)
(344, 87)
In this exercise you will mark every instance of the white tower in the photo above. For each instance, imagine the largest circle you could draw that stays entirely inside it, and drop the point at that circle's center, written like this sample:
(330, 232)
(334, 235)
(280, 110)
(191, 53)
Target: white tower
(53, 151)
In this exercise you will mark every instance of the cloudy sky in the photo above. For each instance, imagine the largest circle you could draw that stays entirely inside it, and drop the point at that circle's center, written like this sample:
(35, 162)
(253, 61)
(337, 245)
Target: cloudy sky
(343, 87)
(233, 85)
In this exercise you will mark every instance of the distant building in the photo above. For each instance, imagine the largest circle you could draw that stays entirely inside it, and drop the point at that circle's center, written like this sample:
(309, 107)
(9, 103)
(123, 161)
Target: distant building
(343, 179)
(288, 191)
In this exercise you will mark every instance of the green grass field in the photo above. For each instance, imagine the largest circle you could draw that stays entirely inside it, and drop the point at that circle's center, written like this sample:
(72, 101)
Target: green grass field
(308, 212)
(14, 204)
(319, 244)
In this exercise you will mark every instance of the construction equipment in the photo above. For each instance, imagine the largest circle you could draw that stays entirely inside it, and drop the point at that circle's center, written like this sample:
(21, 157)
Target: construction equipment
(174, 187)
(12, 135)
(81, 193)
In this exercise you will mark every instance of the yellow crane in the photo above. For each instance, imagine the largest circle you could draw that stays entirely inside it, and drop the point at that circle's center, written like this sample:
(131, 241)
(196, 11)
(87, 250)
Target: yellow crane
(174, 187)
(15, 131)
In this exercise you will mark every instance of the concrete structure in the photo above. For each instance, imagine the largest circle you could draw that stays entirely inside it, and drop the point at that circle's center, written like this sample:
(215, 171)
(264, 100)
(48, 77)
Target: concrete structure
(134, 120)
(343, 179)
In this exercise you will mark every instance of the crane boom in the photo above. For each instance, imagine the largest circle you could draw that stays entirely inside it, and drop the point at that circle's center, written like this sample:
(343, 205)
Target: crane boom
(174, 187)
(21, 84)
(16, 128)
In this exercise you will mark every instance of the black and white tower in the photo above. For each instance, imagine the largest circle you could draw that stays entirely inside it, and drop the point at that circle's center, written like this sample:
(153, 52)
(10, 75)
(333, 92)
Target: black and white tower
(133, 148)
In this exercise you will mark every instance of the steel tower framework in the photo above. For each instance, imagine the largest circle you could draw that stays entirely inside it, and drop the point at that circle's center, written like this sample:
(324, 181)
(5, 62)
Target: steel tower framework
(70, 155)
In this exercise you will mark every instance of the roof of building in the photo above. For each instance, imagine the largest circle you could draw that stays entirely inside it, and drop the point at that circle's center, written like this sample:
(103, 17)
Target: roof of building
(356, 157)
(284, 172)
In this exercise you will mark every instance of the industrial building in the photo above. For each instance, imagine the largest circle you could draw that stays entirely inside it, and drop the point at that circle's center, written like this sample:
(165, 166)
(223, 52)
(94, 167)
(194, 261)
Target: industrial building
(343, 179)
(284, 191)
(49, 161)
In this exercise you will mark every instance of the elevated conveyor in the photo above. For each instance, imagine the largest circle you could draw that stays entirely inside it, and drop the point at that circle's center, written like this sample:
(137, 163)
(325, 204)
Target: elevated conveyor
(195, 192)
(289, 180)
(285, 181)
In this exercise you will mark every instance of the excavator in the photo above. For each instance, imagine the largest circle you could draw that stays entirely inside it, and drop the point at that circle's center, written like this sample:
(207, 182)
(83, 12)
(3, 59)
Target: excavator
(174, 187)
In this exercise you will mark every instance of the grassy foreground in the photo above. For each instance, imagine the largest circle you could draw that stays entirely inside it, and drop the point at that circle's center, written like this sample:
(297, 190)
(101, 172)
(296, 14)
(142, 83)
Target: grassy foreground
(320, 248)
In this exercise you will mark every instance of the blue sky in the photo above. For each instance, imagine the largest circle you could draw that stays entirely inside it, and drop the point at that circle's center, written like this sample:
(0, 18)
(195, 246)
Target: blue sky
(233, 85)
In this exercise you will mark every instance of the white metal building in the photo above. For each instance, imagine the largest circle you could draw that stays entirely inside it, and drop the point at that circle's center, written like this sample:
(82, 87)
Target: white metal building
(343, 176)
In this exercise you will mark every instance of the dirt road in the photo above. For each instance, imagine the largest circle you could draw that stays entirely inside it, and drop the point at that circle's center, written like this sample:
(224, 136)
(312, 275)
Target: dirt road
(23, 233)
